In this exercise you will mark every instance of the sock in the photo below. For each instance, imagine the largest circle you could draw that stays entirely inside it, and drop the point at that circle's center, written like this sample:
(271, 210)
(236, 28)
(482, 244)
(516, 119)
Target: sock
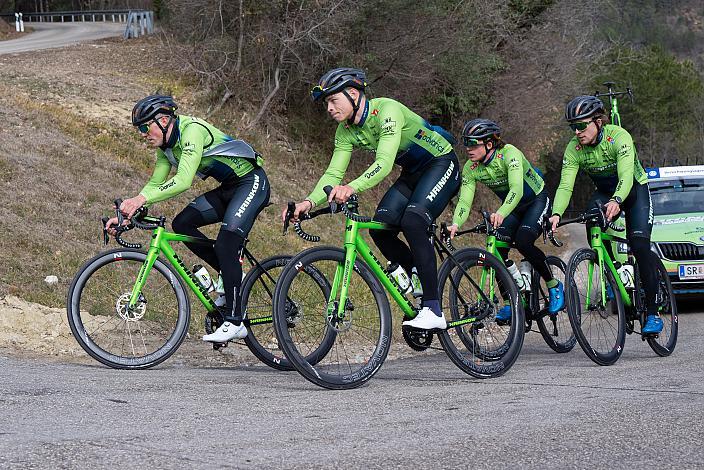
(433, 305)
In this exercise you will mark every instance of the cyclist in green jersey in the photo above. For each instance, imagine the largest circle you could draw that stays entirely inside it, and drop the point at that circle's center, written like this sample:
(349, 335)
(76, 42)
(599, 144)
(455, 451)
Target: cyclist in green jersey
(607, 154)
(505, 170)
(195, 147)
(429, 176)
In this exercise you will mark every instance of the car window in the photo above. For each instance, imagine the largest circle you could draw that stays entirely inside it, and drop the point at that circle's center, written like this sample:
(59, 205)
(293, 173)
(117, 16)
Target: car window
(677, 196)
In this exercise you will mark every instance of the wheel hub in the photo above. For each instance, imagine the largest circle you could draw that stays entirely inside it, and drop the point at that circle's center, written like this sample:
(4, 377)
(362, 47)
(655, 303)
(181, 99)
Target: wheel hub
(127, 313)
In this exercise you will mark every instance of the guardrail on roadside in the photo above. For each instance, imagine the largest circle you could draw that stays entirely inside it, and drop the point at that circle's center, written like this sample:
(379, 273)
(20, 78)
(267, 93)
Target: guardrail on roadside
(115, 16)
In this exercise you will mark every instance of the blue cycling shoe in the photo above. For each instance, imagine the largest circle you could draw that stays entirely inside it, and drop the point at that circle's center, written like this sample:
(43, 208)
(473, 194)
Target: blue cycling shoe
(653, 325)
(504, 313)
(609, 293)
(557, 298)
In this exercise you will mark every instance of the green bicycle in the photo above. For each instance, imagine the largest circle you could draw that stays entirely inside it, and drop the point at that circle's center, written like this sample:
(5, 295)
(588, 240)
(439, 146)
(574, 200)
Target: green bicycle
(358, 311)
(129, 309)
(606, 298)
(555, 329)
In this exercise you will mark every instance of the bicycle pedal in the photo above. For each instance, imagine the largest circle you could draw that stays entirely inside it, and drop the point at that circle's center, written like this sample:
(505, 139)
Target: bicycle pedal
(217, 346)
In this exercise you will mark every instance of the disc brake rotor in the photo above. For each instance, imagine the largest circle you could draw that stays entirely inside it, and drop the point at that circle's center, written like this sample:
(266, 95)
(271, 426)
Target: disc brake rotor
(133, 314)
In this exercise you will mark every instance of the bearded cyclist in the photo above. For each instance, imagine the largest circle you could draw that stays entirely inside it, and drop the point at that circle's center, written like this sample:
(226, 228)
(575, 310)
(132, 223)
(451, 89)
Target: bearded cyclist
(194, 147)
(429, 176)
(607, 154)
(505, 170)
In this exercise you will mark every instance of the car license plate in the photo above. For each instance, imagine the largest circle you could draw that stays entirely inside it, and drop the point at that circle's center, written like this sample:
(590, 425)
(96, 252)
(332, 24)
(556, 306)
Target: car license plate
(691, 271)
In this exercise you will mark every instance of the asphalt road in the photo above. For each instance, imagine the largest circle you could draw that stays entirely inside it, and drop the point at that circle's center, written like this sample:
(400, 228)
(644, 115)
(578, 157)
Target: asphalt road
(50, 35)
(553, 410)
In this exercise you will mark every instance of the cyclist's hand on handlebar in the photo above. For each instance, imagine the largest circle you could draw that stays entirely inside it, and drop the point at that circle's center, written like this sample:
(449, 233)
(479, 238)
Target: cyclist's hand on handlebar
(130, 206)
(452, 229)
(340, 194)
(554, 220)
(112, 223)
(496, 219)
(301, 208)
(611, 210)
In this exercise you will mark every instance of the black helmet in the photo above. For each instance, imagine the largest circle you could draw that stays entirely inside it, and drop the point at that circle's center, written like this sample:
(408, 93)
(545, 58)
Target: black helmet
(479, 129)
(148, 107)
(336, 80)
(583, 107)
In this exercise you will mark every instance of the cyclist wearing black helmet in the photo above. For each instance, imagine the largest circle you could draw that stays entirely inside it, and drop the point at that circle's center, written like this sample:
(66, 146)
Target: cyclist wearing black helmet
(607, 154)
(429, 176)
(195, 147)
(505, 170)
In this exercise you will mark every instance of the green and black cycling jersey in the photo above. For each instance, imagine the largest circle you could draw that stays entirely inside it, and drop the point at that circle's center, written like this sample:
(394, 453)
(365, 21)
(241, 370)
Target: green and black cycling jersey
(395, 133)
(507, 173)
(190, 152)
(612, 164)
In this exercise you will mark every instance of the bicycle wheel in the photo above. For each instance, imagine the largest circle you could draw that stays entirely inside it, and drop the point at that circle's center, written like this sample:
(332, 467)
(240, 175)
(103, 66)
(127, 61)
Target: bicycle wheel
(361, 339)
(665, 343)
(600, 329)
(257, 301)
(104, 326)
(482, 348)
(555, 329)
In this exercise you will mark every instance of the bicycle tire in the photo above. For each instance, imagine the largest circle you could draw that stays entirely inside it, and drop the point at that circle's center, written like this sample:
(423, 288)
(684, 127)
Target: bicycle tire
(257, 301)
(609, 349)
(558, 335)
(666, 341)
(474, 347)
(356, 335)
(89, 314)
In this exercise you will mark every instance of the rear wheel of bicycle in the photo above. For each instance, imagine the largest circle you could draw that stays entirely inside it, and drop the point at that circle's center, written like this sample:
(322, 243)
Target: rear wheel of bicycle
(257, 301)
(555, 329)
(361, 339)
(665, 343)
(116, 335)
(600, 328)
(483, 347)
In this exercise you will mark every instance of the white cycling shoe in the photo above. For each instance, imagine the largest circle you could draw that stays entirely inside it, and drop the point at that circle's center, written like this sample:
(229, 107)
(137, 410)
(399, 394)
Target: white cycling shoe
(427, 320)
(226, 332)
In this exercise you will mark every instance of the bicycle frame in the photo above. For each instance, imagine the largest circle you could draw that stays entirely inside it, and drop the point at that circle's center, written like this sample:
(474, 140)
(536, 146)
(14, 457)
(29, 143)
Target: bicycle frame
(160, 244)
(596, 242)
(354, 246)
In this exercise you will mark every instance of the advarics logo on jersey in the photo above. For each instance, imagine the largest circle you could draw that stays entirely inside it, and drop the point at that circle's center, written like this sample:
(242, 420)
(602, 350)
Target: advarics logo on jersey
(424, 136)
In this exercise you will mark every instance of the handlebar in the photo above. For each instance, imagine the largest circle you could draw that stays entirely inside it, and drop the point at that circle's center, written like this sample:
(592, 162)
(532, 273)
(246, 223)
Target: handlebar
(596, 214)
(139, 220)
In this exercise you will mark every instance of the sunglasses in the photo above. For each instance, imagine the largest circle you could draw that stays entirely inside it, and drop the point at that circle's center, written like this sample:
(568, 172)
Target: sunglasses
(470, 142)
(144, 128)
(579, 126)
(317, 92)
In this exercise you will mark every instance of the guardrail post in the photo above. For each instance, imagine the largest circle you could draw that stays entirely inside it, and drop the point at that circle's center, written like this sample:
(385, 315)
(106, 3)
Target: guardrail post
(21, 24)
(17, 22)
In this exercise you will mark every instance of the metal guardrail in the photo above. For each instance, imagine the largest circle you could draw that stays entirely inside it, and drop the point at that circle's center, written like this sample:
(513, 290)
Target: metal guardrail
(115, 16)
(139, 22)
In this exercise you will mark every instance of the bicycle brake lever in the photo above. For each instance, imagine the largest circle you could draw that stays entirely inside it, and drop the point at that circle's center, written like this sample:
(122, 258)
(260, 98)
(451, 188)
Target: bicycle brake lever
(106, 236)
(289, 213)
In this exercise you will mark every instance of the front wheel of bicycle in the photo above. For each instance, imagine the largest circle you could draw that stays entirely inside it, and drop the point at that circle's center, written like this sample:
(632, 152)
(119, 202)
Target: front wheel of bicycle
(665, 342)
(257, 301)
(115, 334)
(474, 285)
(361, 338)
(555, 329)
(600, 327)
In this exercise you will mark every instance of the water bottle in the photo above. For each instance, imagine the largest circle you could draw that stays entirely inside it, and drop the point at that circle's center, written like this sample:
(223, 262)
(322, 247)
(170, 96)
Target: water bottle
(400, 276)
(525, 270)
(415, 283)
(625, 272)
(511, 266)
(203, 277)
